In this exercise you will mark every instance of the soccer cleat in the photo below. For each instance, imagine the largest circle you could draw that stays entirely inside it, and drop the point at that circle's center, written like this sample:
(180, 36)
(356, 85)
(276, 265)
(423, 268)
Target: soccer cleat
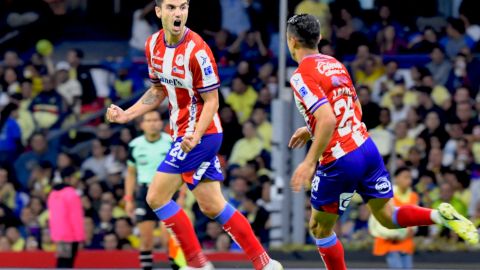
(458, 223)
(273, 265)
(208, 266)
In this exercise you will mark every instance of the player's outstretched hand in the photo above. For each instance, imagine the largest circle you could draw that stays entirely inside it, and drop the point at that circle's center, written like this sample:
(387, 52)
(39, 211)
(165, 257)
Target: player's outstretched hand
(302, 176)
(299, 138)
(116, 114)
(188, 143)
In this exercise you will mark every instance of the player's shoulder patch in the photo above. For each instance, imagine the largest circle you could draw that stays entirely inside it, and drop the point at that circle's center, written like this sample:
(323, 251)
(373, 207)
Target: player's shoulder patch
(206, 67)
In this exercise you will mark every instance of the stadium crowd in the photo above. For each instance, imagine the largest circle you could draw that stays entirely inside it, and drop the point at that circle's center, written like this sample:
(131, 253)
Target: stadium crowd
(416, 77)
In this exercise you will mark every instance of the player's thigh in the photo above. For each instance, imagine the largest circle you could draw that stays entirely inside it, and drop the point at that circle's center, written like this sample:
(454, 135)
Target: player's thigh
(162, 188)
(321, 223)
(383, 209)
(209, 197)
(146, 229)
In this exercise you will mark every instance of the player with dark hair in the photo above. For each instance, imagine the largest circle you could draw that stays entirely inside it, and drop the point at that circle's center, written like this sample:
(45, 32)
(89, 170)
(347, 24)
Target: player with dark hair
(348, 159)
(182, 68)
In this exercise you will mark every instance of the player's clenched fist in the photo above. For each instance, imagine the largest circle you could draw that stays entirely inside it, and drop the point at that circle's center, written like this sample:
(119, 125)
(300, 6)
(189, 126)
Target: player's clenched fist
(116, 114)
(189, 142)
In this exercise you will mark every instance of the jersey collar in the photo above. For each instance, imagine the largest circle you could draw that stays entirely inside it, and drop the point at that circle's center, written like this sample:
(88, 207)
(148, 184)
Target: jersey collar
(179, 42)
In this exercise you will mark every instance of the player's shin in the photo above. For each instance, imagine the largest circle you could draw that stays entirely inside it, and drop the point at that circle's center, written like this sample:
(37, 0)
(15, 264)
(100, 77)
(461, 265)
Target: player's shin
(238, 227)
(178, 223)
(412, 215)
(331, 251)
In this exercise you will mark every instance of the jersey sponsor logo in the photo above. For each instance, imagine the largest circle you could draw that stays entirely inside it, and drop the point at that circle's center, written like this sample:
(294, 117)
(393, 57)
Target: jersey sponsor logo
(344, 200)
(329, 69)
(383, 185)
(173, 82)
(204, 59)
(179, 60)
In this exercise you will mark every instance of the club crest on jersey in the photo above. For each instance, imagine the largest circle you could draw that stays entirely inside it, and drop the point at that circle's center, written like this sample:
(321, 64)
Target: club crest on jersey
(179, 60)
(177, 70)
(383, 185)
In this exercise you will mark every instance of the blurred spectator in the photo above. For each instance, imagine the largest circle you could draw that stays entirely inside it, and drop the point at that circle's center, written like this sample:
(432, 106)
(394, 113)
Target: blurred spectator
(258, 217)
(439, 66)
(447, 195)
(123, 229)
(398, 108)
(40, 151)
(10, 135)
(5, 245)
(110, 242)
(142, 28)
(403, 142)
(81, 73)
(388, 41)
(234, 16)
(97, 162)
(242, 99)
(232, 130)
(464, 113)
(426, 104)
(222, 244)
(92, 239)
(123, 85)
(238, 190)
(213, 232)
(397, 245)
(250, 47)
(7, 189)
(320, 10)
(10, 81)
(370, 110)
(456, 38)
(48, 108)
(415, 125)
(248, 147)
(424, 42)
(70, 89)
(369, 72)
(387, 81)
(264, 127)
(16, 240)
(382, 135)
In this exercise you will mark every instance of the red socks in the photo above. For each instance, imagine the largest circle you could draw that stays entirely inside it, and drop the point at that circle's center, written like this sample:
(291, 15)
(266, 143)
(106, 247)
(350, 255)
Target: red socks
(331, 251)
(238, 227)
(412, 215)
(183, 230)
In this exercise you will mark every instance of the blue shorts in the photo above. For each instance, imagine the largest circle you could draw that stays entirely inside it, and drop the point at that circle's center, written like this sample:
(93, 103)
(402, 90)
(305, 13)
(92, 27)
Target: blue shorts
(201, 163)
(361, 171)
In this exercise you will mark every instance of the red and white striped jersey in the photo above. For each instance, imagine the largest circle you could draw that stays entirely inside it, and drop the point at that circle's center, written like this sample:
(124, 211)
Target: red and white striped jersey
(321, 79)
(185, 71)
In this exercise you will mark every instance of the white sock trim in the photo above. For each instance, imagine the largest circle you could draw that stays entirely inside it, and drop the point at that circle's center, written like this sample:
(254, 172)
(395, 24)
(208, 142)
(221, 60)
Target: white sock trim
(435, 217)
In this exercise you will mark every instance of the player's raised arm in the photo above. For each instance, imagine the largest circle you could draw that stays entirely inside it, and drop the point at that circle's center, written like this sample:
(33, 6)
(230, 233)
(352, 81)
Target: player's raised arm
(152, 98)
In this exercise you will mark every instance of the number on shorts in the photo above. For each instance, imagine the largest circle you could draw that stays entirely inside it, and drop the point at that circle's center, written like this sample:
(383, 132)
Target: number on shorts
(177, 152)
(345, 125)
(315, 182)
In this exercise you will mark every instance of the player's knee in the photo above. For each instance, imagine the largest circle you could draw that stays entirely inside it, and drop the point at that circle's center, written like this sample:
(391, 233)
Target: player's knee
(154, 200)
(320, 230)
(210, 210)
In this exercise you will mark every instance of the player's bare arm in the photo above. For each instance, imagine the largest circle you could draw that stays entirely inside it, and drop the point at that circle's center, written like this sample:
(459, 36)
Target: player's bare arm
(299, 138)
(210, 107)
(130, 182)
(326, 122)
(152, 98)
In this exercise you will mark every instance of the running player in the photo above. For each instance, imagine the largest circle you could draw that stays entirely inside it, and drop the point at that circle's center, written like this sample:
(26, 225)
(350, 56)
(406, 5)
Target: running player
(144, 155)
(181, 66)
(349, 160)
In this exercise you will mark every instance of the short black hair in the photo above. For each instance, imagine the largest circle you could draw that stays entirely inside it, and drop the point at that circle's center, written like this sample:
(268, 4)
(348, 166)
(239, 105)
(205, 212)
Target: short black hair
(306, 28)
(400, 170)
(159, 2)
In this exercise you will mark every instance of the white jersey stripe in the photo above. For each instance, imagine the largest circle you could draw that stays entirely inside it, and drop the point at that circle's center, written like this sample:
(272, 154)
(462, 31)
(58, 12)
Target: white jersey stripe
(172, 94)
(218, 124)
(193, 108)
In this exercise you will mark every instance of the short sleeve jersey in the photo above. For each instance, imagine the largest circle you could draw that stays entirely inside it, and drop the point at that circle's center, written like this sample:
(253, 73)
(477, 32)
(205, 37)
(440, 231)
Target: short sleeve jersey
(321, 80)
(185, 71)
(145, 156)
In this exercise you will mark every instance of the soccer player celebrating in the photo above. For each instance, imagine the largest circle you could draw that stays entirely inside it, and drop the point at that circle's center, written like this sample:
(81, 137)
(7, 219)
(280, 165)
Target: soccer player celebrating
(349, 160)
(182, 68)
(144, 154)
